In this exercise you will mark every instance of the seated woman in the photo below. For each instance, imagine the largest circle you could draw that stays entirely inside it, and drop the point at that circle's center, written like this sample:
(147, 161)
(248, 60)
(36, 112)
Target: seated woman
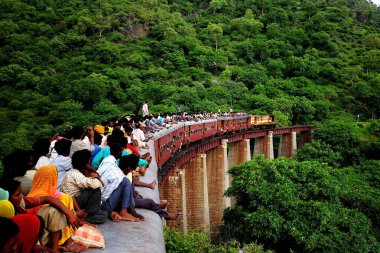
(126, 164)
(117, 192)
(31, 231)
(84, 184)
(56, 215)
(31, 228)
(45, 184)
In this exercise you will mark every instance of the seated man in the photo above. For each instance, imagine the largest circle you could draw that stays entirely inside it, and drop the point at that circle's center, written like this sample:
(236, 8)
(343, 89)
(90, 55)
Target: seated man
(79, 141)
(41, 149)
(139, 135)
(84, 184)
(117, 192)
(63, 161)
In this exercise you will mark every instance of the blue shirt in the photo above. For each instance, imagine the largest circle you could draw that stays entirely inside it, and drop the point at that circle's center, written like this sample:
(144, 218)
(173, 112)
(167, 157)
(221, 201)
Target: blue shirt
(63, 164)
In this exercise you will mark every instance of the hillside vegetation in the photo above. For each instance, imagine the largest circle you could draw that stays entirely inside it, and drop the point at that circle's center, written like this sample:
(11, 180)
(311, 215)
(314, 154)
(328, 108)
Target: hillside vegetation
(81, 62)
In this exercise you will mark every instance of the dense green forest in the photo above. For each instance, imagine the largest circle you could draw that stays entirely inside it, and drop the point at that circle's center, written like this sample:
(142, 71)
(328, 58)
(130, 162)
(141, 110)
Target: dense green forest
(81, 62)
(304, 61)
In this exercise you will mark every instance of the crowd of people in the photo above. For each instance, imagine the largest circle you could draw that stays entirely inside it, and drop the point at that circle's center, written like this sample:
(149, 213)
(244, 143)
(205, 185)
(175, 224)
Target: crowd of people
(81, 176)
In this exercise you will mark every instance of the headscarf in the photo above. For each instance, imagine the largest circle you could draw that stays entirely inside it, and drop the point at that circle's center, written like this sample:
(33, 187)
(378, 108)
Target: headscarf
(7, 210)
(99, 129)
(29, 228)
(44, 182)
(4, 195)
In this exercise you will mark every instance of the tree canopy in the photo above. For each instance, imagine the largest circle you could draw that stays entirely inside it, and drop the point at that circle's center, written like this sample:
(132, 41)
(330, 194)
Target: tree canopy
(81, 62)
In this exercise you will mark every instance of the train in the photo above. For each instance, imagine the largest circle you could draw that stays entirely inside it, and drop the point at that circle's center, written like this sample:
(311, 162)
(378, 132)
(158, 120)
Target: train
(170, 140)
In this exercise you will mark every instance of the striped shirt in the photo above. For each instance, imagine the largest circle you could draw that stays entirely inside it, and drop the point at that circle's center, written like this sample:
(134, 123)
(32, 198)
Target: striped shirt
(74, 182)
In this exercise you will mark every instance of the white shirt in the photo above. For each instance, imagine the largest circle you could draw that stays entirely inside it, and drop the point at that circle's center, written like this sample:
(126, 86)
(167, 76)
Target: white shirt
(145, 109)
(139, 135)
(80, 145)
(42, 161)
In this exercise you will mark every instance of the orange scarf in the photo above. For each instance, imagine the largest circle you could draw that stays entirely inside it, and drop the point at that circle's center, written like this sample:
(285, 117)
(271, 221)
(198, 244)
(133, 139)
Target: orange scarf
(45, 182)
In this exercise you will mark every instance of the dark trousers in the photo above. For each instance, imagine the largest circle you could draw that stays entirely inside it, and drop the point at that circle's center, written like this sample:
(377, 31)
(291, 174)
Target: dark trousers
(149, 204)
(89, 201)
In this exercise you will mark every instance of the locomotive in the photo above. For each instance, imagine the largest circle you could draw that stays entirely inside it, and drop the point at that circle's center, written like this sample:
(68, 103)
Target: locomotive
(171, 140)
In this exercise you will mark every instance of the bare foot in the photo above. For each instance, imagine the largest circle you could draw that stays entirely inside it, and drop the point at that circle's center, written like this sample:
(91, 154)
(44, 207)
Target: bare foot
(128, 217)
(72, 246)
(114, 216)
(173, 216)
(152, 185)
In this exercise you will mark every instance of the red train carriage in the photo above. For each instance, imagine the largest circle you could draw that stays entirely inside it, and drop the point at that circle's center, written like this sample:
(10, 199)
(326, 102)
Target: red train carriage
(210, 129)
(171, 140)
(196, 131)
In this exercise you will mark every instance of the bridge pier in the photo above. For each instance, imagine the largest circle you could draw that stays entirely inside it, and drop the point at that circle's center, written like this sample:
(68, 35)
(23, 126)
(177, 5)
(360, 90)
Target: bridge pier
(306, 137)
(196, 197)
(240, 151)
(173, 191)
(264, 145)
(218, 182)
(288, 145)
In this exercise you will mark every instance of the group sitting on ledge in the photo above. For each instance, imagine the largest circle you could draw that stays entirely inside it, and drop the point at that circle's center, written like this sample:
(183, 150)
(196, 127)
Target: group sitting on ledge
(79, 178)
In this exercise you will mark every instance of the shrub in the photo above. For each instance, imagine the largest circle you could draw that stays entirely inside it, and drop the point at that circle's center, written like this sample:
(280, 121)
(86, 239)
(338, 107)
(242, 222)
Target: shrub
(199, 242)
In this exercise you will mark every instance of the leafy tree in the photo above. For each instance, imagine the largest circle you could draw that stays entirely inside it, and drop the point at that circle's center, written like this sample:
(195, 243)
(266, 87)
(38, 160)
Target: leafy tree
(246, 25)
(343, 137)
(321, 152)
(288, 205)
(216, 33)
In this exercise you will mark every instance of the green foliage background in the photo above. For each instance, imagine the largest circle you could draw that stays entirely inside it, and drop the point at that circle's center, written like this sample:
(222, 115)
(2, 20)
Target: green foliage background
(306, 62)
(304, 206)
(80, 62)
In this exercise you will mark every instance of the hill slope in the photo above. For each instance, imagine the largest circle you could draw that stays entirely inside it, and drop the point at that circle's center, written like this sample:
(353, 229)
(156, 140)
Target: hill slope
(81, 62)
